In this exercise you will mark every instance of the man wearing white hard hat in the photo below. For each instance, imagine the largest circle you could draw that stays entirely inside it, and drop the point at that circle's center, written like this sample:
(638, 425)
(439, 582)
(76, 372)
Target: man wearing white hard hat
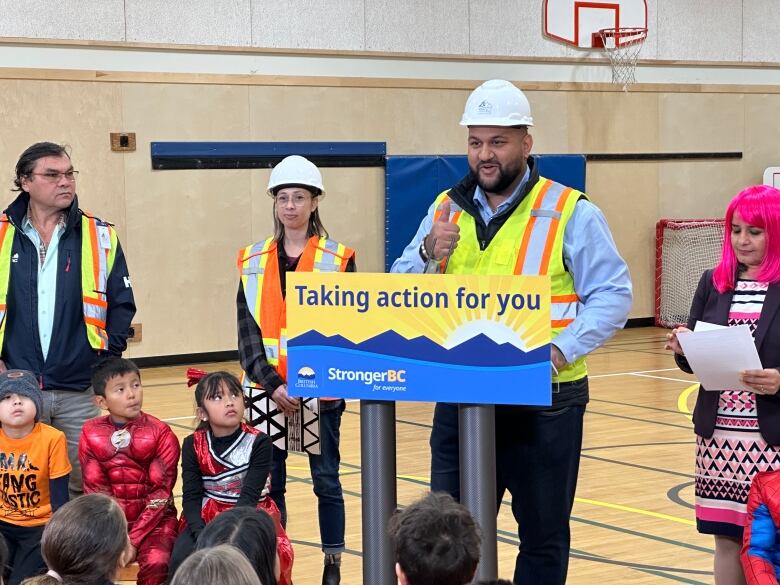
(503, 218)
(300, 243)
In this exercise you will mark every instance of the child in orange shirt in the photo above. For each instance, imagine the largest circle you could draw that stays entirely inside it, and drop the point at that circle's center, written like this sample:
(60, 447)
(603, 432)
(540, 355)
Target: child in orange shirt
(34, 470)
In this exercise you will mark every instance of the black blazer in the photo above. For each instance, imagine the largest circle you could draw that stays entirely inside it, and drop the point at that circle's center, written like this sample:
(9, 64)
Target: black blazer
(711, 306)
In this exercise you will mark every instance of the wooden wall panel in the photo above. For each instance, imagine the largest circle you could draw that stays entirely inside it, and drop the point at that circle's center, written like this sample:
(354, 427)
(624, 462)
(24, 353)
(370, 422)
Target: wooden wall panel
(181, 229)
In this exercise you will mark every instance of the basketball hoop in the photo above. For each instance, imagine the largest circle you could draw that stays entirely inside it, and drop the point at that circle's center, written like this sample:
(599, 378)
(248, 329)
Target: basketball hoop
(622, 46)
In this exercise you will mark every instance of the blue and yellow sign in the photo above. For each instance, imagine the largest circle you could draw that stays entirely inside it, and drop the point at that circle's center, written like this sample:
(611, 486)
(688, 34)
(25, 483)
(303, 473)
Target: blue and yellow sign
(447, 338)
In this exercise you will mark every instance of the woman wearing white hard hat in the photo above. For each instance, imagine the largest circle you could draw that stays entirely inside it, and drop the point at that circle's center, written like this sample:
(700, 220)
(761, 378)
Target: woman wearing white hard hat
(300, 243)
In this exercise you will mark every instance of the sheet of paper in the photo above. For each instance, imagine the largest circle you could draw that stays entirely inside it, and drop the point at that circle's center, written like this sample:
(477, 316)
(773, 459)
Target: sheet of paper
(717, 356)
(704, 326)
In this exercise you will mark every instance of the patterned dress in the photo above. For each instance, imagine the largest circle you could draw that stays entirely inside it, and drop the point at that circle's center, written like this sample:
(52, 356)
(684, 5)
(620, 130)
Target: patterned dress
(727, 462)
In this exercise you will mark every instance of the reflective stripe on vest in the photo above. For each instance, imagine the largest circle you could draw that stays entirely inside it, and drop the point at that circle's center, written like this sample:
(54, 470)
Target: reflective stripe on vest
(252, 263)
(529, 242)
(542, 229)
(264, 298)
(98, 252)
(563, 310)
(328, 256)
(6, 245)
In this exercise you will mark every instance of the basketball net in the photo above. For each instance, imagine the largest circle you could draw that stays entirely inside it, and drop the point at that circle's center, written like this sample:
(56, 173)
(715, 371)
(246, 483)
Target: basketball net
(622, 46)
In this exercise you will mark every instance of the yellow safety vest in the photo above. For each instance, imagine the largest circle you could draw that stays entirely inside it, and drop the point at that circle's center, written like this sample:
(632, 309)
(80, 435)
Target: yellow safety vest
(98, 251)
(530, 242)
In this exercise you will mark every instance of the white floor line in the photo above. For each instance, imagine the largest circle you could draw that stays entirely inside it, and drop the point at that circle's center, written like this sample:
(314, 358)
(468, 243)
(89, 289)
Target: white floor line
(638, 375)
(177, 418)
(633, 373)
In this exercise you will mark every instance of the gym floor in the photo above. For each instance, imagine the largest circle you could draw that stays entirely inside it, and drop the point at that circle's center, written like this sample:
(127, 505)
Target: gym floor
(633, 517)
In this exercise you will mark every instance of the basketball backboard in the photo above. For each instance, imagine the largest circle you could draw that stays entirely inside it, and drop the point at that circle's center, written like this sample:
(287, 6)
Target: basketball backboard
(772, 177)
(578, 22)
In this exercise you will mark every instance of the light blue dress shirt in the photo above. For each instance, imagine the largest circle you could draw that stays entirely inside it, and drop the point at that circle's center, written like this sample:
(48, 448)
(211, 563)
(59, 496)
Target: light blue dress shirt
(47, 281)
(600, 274)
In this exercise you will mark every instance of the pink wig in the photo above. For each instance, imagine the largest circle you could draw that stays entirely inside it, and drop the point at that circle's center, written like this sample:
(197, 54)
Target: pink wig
(759, 206)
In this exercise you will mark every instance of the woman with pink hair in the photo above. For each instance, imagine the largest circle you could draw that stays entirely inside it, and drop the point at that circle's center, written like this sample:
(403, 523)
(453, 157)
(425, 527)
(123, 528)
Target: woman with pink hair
(738, 432)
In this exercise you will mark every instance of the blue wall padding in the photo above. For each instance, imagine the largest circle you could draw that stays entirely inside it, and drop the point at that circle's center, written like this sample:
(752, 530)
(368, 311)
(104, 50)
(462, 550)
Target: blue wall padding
(413, 182)
(238, 149)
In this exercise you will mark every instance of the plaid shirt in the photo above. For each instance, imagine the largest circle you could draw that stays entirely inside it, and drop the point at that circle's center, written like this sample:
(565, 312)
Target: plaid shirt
(44, 247)
(251, 352)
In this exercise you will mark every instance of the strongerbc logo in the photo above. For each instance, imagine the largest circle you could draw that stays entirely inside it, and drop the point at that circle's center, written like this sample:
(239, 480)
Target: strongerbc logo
(307, 378)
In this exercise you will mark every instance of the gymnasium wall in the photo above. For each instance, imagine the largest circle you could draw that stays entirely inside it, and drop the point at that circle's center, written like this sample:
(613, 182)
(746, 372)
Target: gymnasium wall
(712, 30)
(181, 229)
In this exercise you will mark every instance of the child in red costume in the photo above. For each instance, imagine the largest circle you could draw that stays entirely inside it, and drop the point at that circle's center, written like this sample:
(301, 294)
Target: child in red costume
(225, 463)
(761, 545)
(133, 457)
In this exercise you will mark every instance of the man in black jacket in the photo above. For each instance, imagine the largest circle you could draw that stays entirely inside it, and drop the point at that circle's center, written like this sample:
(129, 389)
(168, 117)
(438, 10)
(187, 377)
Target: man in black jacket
(65, 294)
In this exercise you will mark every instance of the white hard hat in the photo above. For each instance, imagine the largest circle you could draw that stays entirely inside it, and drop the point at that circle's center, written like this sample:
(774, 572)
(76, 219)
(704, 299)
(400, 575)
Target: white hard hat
(296, 170)
(497, 103)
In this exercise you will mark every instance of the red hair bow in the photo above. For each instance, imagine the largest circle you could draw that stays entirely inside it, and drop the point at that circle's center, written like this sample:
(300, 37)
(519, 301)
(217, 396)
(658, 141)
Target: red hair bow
(194, 376)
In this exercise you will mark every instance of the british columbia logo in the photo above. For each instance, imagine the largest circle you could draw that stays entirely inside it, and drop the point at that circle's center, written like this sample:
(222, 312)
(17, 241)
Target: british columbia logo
(307, 378)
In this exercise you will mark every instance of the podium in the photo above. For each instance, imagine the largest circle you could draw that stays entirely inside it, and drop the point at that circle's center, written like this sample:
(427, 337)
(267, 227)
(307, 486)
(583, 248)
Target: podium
(382, 338)
(477, 484)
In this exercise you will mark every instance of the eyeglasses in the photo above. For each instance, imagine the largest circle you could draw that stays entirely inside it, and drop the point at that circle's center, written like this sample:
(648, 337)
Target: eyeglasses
(54, 177)
(296, 200)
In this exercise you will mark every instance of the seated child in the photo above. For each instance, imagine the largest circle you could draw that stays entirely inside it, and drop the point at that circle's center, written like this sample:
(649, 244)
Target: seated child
(224, 463)
(84, 543)
(220, 564)
(253, 532)
(34, 472)
(435, 540)
(133, 457)
(761, 545)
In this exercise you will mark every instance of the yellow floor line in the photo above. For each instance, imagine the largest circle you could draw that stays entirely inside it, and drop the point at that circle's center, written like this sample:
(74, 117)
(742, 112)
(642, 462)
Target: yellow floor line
(682, 400)
(415, 478)
(622, 508)
(599, 503)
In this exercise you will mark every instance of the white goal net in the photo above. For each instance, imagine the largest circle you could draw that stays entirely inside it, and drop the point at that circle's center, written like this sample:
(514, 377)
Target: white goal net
(684, 249)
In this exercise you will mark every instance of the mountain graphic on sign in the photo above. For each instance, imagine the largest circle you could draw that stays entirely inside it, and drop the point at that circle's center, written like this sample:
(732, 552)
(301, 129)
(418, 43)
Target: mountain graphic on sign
(479, 350)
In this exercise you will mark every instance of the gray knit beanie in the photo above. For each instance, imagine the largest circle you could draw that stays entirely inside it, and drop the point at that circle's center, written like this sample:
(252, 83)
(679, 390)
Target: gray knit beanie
(23, 383)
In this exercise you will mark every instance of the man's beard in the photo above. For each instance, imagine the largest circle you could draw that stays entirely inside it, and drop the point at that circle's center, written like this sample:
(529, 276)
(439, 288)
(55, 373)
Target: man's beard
(506, 176)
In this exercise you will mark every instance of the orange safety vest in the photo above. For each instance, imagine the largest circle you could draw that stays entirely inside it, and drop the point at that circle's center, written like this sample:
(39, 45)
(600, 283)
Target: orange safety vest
(258, 266)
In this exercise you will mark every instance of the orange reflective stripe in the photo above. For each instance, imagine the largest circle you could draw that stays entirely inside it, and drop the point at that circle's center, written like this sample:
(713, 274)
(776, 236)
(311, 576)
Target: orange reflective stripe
(560, 322)
(552, 231)
(572, 298)
(530, 228)
(437, 213)
(3, 229)
(243, 258)
(240, 259)
(96, 301)
(95, 252)
(95, 322)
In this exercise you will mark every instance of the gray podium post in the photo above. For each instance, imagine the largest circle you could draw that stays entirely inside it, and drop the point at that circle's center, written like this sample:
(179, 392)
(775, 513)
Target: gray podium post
(478, 478)
(377, 456)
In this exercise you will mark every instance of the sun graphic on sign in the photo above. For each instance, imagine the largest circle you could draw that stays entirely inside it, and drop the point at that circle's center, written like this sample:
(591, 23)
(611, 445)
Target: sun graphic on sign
(446, 309)
(451, 326)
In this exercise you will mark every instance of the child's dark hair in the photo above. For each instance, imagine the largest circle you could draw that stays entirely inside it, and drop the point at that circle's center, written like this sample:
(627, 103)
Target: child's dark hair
(252, 532)
(83, 542)
(435, 541)
(108, 368)
(210, 386)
